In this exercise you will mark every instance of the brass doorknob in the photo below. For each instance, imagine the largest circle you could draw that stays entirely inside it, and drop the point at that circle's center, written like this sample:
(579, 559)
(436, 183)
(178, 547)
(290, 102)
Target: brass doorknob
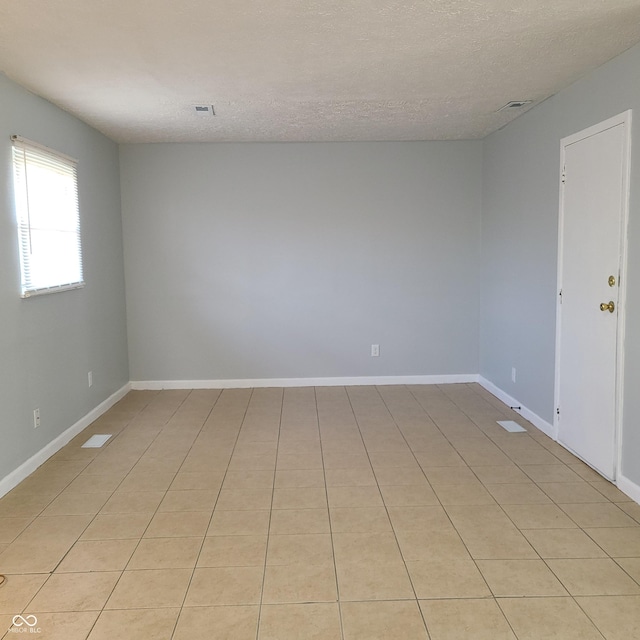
(608, 306)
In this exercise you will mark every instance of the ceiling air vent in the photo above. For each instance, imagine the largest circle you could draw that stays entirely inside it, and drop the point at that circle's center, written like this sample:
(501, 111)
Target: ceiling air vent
(203, 110)
(514, 104)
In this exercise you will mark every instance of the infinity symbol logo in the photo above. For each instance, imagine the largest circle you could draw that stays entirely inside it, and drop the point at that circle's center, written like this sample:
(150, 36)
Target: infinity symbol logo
(30, 621)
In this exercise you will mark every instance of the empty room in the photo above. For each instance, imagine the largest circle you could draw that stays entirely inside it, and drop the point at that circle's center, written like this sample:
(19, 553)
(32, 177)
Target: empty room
(308, 330)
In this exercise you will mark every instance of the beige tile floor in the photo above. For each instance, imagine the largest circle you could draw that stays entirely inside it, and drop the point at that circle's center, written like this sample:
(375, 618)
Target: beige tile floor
(319, 514)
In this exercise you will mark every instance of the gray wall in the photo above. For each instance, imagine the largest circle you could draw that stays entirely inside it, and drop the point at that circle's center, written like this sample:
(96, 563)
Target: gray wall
(49, 343)
(519, 244)
(290, 260)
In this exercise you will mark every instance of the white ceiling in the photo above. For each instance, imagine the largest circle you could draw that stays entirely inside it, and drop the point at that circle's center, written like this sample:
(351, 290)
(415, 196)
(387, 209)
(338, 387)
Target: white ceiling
(300, 70)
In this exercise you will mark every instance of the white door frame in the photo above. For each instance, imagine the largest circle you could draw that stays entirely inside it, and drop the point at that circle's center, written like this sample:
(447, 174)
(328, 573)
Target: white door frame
(624, 119)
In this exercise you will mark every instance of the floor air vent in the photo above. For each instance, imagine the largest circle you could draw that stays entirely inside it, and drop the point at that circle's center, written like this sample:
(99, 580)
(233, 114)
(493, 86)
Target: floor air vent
(96, 441)
(511, 426)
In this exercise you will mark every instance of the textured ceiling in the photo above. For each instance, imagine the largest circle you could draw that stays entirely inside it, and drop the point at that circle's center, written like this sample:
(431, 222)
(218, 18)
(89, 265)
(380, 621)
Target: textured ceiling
(299, 70)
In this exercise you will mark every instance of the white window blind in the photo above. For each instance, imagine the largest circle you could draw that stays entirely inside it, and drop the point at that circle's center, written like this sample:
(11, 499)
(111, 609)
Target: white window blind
(46, 198)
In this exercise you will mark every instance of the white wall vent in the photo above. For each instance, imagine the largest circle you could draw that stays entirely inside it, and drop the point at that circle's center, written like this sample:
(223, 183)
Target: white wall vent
(204, 110)
(514, 104)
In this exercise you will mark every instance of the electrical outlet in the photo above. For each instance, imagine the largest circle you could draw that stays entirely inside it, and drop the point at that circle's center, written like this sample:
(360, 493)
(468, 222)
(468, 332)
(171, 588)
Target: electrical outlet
(90, 378)
(36, 418)
(513, 374)
(375, 350)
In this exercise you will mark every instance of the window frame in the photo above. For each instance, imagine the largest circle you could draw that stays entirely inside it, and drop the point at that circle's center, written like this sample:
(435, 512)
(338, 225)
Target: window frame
(68, 165)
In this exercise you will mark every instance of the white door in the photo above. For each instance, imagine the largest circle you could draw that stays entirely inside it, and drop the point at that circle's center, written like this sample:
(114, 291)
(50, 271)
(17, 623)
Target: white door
(592, 231)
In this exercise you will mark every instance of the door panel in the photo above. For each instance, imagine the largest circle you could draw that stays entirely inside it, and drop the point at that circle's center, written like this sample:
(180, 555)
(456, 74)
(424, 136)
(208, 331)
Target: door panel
(591, 224)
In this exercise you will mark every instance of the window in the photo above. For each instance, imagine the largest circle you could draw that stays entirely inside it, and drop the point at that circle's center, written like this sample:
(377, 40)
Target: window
(46, 197)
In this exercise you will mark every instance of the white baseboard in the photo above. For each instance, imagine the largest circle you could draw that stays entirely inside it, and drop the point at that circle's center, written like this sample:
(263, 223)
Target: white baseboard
(301, 382)
(527, 414)
(28, 467)
(629, 487)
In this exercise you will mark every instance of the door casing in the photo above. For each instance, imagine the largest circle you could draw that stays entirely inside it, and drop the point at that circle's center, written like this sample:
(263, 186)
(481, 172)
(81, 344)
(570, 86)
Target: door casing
(624, 119)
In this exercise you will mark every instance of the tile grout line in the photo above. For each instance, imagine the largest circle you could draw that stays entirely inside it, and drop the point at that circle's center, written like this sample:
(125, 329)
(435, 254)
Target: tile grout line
(273, 489)
(493, 596)
(204, 538)
(154, 513)
(404, 562)
(326, 492)
(434, 492)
